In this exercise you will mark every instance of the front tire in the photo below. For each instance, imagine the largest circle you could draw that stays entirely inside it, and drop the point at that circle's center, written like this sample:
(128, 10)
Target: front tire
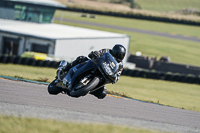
(83, 91)
(53, 89)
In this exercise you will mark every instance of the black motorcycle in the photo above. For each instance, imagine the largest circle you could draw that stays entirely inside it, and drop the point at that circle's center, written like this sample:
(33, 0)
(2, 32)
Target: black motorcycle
(86, 77)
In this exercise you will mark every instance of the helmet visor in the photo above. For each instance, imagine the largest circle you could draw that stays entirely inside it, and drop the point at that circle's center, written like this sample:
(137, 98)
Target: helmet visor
(120, 56)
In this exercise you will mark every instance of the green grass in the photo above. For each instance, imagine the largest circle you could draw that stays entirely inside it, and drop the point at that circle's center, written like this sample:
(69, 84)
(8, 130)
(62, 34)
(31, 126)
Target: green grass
(168, 5)
(180, 95)
(162, 5)
(10, 124)
(27, 72)
(180, 51)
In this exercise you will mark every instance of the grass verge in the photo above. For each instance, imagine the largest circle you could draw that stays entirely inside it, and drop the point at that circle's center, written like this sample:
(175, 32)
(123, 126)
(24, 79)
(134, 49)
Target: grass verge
(11, 124)
(27, 72)
(170, 5)
(179, 95)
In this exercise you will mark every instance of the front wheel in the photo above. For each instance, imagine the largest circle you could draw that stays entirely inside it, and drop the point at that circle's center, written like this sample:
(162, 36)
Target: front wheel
(85, 89)
(53, 89)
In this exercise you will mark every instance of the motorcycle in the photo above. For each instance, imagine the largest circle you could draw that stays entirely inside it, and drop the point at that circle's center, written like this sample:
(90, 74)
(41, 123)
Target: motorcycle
(86, 77)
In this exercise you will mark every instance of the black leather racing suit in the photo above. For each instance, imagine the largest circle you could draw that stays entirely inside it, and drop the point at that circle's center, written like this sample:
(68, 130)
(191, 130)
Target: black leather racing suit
(102, 92)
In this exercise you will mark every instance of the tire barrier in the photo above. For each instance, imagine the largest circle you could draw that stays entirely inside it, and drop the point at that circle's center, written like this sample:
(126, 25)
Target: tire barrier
(161, 76)
(127, 72)
(6, 59)
(39, 63)
(28, 61)
(54, 64)
(16, 60)
(46, 63)
(153, 75)
(25, 61)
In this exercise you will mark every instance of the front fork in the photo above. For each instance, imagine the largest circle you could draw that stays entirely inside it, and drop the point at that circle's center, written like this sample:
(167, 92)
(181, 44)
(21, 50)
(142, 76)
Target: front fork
(60, 72)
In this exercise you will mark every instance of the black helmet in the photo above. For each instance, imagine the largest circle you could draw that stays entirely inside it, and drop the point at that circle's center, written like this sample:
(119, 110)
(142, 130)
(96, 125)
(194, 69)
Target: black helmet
(118, 52)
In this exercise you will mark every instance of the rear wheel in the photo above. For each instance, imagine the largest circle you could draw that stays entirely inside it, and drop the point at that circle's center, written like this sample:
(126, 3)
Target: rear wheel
(53, 89)
(78, 91)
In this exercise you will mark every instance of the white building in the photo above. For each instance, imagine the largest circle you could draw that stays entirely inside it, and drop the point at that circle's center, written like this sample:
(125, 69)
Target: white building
(61, 41)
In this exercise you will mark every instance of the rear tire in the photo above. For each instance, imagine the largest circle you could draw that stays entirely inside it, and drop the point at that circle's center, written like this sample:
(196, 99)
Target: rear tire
(53, 89)
(83, 91)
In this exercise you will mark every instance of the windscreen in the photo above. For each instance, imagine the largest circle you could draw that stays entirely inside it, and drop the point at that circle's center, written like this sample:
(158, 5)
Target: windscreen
(110, 62)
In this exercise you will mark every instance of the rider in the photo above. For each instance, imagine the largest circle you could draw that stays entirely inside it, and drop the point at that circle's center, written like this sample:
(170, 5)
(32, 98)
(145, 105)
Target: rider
(118, 52)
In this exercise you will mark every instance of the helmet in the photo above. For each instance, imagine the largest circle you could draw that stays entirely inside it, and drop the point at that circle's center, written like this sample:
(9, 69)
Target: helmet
(118, 52)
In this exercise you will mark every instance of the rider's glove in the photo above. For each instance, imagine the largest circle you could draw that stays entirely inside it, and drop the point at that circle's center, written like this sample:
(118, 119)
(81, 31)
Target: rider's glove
(116, 79)
(94, 55)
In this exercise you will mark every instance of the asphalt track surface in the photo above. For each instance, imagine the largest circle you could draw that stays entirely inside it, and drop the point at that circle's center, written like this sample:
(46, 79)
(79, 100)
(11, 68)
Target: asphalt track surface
(32, 100)
(162, 34)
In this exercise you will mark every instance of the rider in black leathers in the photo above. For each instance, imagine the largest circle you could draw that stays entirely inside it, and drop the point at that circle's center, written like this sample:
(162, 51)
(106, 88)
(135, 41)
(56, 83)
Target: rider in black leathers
(118, 52)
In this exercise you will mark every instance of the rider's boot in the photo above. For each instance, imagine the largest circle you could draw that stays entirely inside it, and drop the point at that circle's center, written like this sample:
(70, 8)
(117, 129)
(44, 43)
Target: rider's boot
(100, 93)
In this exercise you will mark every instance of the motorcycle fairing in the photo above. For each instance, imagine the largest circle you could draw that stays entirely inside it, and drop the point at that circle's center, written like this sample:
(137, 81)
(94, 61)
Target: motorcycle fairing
(80, 69)
(105, 60)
